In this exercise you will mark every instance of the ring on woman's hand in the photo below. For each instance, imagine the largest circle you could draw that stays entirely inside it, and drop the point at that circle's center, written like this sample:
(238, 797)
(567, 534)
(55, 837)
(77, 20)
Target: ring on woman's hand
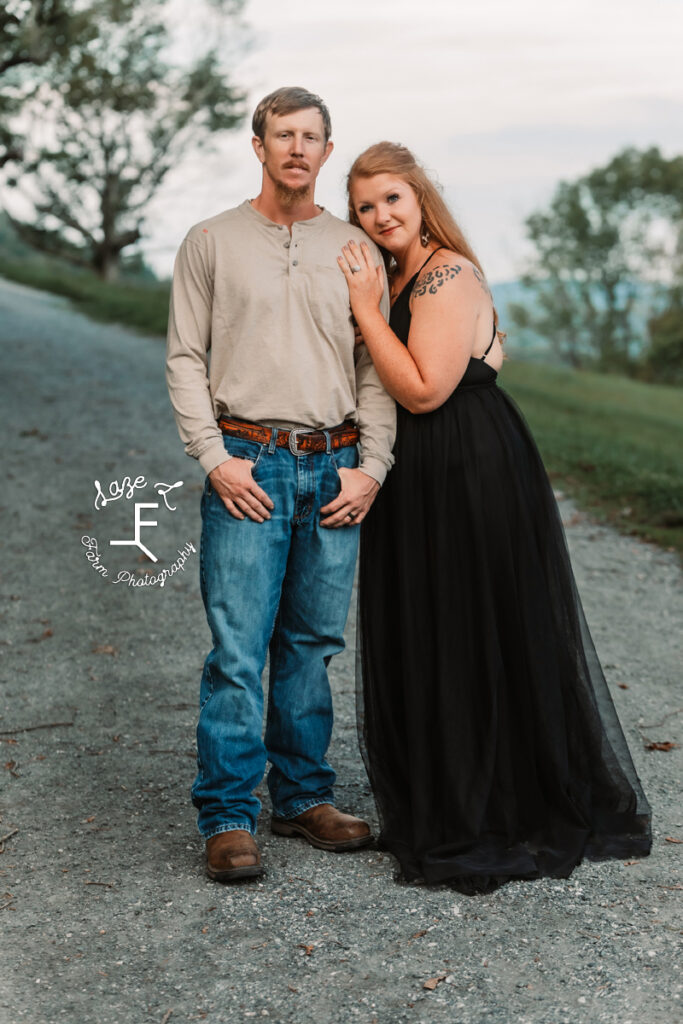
(355, 270)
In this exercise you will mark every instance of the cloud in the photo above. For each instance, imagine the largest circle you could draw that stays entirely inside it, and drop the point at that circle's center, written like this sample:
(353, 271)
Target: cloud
(501, 100)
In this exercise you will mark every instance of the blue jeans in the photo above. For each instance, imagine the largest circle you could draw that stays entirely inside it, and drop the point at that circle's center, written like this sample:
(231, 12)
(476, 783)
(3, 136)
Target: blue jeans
(284, 583)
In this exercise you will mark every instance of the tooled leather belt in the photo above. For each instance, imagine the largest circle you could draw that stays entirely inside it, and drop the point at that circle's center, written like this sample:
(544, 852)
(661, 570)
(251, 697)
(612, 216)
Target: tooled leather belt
(299, 441)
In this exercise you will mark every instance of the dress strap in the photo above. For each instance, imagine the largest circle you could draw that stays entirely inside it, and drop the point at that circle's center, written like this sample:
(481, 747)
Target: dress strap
(428, 259)
(493, 338)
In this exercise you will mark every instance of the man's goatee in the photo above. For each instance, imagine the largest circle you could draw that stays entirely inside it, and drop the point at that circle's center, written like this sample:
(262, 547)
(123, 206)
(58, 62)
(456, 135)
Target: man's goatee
(291, 196)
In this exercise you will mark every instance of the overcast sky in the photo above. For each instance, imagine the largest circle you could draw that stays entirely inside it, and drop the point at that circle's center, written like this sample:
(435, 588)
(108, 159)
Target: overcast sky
(500, 100)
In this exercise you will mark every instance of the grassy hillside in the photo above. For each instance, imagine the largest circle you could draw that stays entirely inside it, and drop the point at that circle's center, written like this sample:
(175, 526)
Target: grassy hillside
(135, 302)
(615, 444)
(138, 299)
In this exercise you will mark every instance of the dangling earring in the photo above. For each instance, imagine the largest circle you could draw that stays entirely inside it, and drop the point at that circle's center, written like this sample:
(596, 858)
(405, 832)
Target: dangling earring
(424, 235)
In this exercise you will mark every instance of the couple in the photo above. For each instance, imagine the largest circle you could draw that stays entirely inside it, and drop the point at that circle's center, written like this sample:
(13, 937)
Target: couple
(491, 743)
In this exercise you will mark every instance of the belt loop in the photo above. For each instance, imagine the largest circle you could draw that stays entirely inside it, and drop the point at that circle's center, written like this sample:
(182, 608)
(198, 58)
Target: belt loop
(328, 442)
(272, 444)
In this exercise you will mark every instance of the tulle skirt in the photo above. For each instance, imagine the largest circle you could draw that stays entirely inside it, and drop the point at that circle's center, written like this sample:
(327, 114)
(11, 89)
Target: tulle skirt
(488, 732)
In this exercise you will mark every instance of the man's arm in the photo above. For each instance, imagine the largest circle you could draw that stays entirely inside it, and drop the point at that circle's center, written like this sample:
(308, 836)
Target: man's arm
(376, 408)
(188, 344)
(189, 340)
(377, 424)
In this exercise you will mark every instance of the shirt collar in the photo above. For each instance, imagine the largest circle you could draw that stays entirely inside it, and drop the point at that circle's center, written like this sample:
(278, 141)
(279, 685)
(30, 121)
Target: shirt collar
(311, 222)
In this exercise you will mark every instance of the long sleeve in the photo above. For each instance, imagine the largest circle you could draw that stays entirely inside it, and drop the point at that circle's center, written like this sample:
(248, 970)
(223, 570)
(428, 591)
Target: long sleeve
(376, 411)
(188, 344)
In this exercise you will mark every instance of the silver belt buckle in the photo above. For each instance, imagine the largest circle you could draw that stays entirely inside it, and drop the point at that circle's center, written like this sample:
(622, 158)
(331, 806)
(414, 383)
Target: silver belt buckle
(292, 440)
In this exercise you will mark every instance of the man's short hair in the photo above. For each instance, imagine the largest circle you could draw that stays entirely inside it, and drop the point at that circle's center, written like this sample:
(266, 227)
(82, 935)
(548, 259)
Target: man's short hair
(286, 101)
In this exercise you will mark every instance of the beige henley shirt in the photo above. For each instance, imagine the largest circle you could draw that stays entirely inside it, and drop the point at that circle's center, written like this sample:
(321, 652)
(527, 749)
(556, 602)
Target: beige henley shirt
(273, 310)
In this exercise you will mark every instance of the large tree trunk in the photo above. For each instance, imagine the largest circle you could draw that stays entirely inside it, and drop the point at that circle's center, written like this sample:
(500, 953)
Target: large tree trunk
(106, 263)
(106, 257)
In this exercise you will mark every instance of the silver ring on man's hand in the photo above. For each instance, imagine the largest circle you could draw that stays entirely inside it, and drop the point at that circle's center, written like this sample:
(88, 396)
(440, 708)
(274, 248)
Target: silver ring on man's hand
(355, 270)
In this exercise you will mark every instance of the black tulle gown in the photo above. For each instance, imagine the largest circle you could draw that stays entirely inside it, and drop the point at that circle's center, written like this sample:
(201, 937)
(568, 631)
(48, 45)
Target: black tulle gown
(490, 738)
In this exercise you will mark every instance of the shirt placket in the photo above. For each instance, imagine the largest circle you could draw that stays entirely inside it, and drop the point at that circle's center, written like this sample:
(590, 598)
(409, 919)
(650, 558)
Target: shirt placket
(292, 244)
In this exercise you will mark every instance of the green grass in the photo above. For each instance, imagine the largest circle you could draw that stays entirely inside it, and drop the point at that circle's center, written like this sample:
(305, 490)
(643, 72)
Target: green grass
(615, 444)
(139, 304)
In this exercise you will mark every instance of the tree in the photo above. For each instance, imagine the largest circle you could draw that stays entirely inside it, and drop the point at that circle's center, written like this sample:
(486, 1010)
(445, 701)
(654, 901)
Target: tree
(663, 357)
(32, 32)
(113, 118)
(603, 248)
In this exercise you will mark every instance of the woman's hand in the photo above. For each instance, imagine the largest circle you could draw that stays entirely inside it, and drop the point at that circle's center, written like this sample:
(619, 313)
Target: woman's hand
(365, 280)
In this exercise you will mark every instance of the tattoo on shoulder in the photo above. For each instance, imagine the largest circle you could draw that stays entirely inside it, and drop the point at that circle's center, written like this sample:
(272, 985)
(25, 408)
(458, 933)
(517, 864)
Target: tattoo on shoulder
(433, 279)
(482, 280)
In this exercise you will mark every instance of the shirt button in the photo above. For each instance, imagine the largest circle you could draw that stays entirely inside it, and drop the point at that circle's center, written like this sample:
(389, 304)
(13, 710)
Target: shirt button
(295, 263)
(287, 245)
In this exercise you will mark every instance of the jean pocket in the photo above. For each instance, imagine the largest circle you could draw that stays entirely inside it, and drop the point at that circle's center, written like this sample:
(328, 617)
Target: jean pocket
(345, 458)
(240, 448)
(342, 458)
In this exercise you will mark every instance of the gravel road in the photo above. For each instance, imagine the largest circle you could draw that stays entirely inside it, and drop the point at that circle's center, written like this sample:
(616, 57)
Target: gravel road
(106, 916)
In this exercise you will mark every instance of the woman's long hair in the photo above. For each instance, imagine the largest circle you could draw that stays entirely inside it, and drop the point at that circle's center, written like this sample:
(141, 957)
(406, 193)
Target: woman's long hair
(437, 219)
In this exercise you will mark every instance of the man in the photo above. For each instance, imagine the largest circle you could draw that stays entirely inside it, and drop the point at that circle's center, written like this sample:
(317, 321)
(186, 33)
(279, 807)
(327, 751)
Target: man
(274, 421)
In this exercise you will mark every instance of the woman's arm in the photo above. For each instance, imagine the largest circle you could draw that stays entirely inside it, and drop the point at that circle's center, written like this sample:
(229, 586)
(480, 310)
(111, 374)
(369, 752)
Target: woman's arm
(446, 303)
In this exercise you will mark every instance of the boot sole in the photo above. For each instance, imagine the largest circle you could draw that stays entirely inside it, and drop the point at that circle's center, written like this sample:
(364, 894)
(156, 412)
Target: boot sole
(282, 827)
(235, 874)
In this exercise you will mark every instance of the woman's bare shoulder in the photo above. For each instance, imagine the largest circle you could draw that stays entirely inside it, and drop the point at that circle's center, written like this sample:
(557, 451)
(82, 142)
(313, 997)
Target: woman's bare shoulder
(447, 268)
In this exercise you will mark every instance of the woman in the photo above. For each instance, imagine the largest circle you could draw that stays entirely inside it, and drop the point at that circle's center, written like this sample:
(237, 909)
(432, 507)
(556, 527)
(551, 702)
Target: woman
(490, 738)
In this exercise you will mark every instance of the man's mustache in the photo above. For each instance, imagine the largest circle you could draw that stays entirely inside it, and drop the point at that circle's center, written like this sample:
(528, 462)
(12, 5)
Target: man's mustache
(296, 163)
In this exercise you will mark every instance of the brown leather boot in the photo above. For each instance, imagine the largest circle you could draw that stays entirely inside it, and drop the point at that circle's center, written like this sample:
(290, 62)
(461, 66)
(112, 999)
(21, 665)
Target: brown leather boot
(232, 855)
(326, 828)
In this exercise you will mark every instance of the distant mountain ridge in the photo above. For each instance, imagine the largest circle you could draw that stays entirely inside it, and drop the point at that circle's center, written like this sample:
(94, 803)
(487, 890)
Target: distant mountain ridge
(532, 345)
